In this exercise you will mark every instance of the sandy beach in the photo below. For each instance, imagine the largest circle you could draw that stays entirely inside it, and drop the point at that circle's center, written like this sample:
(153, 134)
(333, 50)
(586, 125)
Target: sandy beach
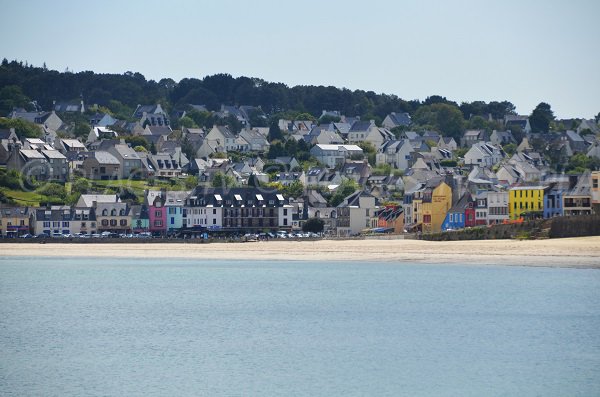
(583, 252)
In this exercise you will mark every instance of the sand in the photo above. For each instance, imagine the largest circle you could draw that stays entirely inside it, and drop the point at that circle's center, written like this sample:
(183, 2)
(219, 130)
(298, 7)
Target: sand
(582, 252)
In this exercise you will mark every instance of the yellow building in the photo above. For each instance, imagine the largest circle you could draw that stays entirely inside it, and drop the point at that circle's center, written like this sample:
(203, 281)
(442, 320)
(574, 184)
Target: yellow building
(525, 199)
(436, 204)
(14, 221)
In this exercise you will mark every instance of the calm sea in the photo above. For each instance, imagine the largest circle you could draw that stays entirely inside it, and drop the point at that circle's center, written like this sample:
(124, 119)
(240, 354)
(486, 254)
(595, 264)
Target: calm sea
(100, 327)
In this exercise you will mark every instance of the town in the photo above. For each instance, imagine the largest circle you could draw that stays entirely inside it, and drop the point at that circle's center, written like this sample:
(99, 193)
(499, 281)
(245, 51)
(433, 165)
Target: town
(193, 172)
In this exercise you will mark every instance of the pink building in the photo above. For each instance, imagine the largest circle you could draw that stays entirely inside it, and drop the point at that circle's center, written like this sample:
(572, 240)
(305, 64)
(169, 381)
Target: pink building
(157, 213)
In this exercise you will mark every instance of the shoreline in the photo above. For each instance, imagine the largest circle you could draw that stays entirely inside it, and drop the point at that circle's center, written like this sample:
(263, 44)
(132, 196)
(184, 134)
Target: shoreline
(579, 252)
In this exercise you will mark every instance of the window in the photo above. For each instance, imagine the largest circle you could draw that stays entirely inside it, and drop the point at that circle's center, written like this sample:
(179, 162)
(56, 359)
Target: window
(214, 221)
(595, 183)
(172, 220)
(172, 210)
(285, 212)
(285, 221)
(104, 222)
(83, 224)
(113, 222)
(104, 212)
(451, 216)
(123, 222)
(65, 224)
(158, 214)
(158, 223)
(113, 212)
(46, 224)
(214, 211)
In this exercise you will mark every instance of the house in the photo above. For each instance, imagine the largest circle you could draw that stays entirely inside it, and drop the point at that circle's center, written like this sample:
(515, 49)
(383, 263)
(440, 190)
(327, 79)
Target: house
(14, 221)
(156, 130)
(54, 220)
(456, 217)
(289, 162)
(590, 125)
(101, 120)
(483, 154)
(481, 208)
(501, 138)
(157, 213)
(69, 146)
(114, 217)
(497, 207)
(256, 142)
(99, 133)
(101, 165)
(390, 219)
(62, 220)
(577, 143)
(513, 122)
(323, 135)
(140, 218)
(435, 203)
(222, 137)
(151, 115)
(48, 119)
(58, 169)
(367, 131)
(83, 221)
(355, 214)
(335, 155)
(6, 137)
(174, 205)
(394, 119)
(578, 200)
(525, 200)
(287, 178)
(470, 137)
(131, 164)
(557, 186)
(164, 165)
(396, 153)
(29, 162)
(358, 171)
(447, 143)
(322, 177)
(76, 106)
(239, 210)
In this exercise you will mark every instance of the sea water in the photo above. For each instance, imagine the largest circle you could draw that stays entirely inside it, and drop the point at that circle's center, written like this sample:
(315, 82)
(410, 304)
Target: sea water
(150, 327)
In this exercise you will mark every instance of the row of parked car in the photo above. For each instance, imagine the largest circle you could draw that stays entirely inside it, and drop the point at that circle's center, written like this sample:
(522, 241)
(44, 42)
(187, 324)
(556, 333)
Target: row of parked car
(85, 235)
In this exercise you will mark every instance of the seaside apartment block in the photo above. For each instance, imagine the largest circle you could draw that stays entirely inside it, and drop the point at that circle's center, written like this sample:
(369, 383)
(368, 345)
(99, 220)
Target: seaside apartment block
(524, 200)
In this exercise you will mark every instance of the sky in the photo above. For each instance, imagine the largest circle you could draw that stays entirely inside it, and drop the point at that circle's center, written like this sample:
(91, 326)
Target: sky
(523, 51)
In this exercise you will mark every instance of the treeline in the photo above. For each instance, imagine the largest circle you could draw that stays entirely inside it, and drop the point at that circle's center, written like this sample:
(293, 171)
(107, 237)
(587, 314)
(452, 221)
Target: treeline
(21, 84)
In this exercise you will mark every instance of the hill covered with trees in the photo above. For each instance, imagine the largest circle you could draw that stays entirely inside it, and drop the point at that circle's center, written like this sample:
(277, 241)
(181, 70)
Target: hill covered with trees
(27, 86)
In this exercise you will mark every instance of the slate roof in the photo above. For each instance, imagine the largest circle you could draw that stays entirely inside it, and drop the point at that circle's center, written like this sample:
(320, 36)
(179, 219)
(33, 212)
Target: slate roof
(360, 125)
(400, 118)
(105, 157)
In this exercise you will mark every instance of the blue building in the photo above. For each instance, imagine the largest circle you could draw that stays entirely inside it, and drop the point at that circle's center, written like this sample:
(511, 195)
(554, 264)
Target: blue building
(456, 216)
(553, 202)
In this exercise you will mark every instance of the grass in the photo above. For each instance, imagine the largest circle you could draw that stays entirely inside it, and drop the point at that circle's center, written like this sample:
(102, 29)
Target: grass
(24, 198)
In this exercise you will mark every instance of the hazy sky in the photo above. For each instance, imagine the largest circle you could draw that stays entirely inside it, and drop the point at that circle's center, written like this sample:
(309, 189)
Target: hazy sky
(524, 51)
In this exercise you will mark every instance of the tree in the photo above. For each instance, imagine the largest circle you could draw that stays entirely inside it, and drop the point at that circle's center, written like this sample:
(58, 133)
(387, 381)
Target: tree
(81, 186)
(81, 130)
(152, 148)
(137, 140)
(11, 97)
(294, 189)
(187, 122)
(541, 117)
(223, 181)
(275, 133)
(346, 188)
(510, 149)
(314, 225)
(191, 182)
(23, 128)
(443, 117)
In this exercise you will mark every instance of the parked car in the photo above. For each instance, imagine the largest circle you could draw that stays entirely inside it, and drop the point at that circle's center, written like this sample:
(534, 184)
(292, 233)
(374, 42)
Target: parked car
(43, 235)
(26, 235)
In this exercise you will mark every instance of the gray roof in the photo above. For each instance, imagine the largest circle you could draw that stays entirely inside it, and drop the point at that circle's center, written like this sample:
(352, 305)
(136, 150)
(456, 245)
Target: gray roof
(360, 125)
(105, 158)
(53, 154)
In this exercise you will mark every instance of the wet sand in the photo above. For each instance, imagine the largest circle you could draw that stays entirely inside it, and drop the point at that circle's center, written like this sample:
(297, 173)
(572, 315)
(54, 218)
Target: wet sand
(582, 252)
